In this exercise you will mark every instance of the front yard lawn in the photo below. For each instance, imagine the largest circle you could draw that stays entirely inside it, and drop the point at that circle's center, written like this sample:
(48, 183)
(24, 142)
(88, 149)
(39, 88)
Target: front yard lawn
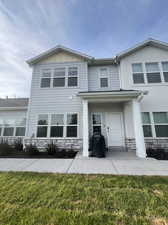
(57, 199)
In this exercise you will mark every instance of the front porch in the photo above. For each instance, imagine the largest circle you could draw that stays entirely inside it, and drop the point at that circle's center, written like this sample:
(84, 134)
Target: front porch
(117, 116)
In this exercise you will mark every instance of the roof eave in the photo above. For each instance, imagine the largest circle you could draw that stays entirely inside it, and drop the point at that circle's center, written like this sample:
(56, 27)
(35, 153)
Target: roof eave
(113, 94)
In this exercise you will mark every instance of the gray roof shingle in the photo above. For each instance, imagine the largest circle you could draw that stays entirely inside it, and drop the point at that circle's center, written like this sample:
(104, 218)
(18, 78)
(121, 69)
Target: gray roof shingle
(14, 102)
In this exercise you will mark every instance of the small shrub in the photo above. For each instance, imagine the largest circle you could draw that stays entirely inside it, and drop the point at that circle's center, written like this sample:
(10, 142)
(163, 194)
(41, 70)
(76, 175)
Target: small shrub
(159, 153)
(65, 154)
(18, 145)
(31, 150)
(5, 148)
(52, 149)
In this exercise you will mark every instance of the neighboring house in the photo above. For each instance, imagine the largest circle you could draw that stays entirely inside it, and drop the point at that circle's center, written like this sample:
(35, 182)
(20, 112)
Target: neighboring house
(13, 113)
(72, 94)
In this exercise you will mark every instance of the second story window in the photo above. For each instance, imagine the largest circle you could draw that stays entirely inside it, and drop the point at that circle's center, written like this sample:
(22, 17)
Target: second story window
(103, 77)
(138, 75)
(72, 76)
(46, 78)
(59, 77)
(153, 72)
(165, 71)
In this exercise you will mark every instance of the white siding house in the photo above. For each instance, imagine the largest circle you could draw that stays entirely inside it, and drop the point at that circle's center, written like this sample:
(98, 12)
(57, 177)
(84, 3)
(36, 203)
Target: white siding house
(73, 94)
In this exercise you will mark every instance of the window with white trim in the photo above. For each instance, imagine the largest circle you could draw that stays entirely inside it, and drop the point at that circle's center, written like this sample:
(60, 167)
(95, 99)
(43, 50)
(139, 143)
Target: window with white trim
(150, 73)
(57, 125)
(72, 76)
(165, 71)
(96, 122)
(138, 75)
(59, 77)
(20, 127)
(13, 127)
(104, 77)
(153, 72)
(9, 125)
(42, 125)
(72, 125)
(46, 78)
(161, 123)
(155, 124)
(147, 127)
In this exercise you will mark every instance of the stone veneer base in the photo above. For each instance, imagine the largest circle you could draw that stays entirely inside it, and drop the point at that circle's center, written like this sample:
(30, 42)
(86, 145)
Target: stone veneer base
(67, 144)
(77, 143)
(149, 142)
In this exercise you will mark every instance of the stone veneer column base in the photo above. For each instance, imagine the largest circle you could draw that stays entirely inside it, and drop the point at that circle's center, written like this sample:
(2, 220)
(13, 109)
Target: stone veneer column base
(130, 144)
(68, 144)
(149, 143)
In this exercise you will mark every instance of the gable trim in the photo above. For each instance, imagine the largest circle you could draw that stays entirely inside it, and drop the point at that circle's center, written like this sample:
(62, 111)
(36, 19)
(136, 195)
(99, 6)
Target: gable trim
(55, 50)
(148, 42)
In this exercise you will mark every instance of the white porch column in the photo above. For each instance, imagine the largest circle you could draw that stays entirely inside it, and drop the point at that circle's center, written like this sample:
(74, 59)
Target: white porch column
(85, 129)
(139, 136)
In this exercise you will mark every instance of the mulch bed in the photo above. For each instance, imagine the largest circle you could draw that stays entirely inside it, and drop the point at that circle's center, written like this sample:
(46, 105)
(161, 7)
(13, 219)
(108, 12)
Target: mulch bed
(42, 155)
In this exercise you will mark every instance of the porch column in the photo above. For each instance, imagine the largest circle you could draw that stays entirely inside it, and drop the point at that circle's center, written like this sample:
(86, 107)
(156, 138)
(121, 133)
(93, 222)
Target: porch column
(139, 136)
(85, 129)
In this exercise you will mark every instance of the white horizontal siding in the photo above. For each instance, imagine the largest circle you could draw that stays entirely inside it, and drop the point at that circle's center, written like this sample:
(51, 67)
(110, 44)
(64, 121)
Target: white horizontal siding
(55, 100)
(156, 99)
(94, 78)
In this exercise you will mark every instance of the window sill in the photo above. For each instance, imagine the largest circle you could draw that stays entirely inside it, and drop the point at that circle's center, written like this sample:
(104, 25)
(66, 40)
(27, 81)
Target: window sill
(55, 88)
(150, 85)
(155, 138)
(57, 138)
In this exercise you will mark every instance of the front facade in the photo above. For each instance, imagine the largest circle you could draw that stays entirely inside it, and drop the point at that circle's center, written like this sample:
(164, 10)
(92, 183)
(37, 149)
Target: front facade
(73, 94)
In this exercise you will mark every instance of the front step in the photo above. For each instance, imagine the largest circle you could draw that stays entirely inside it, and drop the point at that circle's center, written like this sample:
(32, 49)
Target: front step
(117, 148)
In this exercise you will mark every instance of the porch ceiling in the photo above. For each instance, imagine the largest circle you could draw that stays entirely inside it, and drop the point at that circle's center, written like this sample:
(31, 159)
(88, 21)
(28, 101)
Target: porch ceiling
(111, 96)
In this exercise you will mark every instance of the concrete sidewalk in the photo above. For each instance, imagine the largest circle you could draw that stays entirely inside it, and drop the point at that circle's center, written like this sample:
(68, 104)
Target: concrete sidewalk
(121, 163)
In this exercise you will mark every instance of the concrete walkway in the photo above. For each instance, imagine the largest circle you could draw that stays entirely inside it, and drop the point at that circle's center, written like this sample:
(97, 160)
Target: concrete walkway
(115, 163)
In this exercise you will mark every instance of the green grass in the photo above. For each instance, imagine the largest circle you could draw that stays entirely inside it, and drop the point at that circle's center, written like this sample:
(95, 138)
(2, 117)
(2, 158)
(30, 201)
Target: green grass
(56, 199)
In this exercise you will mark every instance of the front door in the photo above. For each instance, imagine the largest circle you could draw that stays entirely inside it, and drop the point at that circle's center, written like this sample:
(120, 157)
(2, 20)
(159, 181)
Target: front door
(115, 130)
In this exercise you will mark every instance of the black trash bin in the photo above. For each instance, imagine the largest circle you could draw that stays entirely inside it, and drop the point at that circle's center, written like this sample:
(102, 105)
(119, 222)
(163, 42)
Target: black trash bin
(97, 145)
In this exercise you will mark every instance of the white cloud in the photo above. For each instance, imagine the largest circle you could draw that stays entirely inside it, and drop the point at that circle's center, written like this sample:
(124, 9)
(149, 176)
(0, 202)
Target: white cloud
(23, 35)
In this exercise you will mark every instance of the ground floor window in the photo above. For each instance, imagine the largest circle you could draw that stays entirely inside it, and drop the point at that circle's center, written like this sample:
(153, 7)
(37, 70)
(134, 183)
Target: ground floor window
(58, 125)
(12, 127)
(155, 124)
(161, 123)
(147, 128)
(96, 122)
(42, 125)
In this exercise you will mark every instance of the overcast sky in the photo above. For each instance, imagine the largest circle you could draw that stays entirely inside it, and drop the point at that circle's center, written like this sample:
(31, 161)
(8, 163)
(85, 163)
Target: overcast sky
(100, 28)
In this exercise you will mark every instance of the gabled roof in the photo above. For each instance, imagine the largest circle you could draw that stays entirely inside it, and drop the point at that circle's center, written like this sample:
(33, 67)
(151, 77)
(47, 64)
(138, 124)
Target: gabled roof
(55, 50)
(13, 103)
(148, 42)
